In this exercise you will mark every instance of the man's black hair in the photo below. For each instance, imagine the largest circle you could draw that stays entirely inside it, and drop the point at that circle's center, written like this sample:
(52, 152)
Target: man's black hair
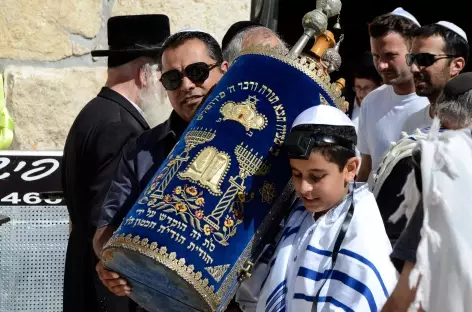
(178, 39)
(454, 44)
(390, 23)
(333, 153)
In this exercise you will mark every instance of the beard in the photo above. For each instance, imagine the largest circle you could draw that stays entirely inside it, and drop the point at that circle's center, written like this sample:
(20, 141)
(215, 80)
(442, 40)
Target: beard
(423, 84)
(152, 100)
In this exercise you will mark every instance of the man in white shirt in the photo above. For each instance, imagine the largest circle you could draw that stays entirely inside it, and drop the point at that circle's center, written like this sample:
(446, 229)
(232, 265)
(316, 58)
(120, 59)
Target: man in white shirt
(385, 110)
(439, 52)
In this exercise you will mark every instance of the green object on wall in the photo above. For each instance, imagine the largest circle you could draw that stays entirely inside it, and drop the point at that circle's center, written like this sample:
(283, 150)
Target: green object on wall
(6, 123)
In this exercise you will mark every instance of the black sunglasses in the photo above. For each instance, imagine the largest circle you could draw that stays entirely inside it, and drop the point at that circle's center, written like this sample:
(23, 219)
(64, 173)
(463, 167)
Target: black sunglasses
(425, 59)
(196, 73)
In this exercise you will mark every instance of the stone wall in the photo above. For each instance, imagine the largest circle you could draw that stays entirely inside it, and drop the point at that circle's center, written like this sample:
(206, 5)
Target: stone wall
(49, 74)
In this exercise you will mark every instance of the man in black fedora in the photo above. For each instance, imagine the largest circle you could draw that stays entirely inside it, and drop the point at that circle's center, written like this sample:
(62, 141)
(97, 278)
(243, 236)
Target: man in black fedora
(96, 138)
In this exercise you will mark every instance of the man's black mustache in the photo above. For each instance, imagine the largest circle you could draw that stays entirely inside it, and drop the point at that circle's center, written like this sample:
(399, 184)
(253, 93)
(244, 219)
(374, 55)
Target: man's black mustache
(420, 77)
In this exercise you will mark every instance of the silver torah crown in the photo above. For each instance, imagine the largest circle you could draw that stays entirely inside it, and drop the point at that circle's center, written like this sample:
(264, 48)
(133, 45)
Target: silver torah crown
(314, 24)
(330, 7)
(331, 57)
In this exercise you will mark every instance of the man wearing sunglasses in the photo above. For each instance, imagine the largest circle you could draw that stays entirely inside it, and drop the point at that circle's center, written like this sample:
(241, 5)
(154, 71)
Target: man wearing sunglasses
(439, 52)
(385, 110)
(192, 63)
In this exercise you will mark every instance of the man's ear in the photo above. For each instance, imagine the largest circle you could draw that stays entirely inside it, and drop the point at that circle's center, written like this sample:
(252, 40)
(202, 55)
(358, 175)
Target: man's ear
(224, 67)
(351, 168)
(142, 76)
(457, 65)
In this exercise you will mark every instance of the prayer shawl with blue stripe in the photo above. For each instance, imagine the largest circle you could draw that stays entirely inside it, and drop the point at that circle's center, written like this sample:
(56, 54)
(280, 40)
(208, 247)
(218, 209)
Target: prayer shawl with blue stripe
(361, 280)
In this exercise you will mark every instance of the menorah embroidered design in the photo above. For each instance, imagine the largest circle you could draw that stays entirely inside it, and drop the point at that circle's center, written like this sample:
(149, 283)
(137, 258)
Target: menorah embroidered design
(192, 138)
(250, 163)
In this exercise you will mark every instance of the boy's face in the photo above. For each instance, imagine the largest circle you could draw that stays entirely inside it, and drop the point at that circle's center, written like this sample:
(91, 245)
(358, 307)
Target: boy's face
(320, 183)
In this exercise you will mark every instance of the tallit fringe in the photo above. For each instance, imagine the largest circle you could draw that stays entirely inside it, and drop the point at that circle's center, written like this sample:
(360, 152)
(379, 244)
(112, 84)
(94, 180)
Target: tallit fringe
(429, 237)
(412, 198)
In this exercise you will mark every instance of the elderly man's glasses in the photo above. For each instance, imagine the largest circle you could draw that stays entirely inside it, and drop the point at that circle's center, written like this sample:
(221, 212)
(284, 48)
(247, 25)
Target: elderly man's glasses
(196, 73)
(425, 59)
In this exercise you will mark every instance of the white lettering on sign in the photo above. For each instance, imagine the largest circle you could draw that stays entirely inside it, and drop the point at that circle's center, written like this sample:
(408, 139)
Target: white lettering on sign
(28, 199)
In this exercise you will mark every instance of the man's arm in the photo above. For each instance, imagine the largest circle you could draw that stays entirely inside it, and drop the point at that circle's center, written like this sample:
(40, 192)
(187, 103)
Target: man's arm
(403, 295)
(107, 148)
(404, 258)
(362, 143)
(123, 192)
(366, 168)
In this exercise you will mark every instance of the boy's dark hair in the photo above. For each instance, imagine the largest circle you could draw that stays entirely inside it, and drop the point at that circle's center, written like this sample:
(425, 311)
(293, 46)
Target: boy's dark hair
(389, 23)
(178, 39)
(333, 153)
(453, 43)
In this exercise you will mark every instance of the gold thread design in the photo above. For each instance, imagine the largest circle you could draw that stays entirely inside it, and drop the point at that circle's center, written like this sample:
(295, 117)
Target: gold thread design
(193, 138)
(245, 113)
(170, 260)
(218, 271)
(249, 164)
(179, 266)
(268, 192)
(306, 65)
(208, 169)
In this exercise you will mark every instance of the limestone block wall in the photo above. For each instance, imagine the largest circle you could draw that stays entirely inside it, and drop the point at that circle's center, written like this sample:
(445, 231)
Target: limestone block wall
(49, 74)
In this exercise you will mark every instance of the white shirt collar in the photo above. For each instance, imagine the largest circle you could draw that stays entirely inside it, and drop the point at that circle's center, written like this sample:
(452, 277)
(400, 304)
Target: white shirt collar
(135, 106)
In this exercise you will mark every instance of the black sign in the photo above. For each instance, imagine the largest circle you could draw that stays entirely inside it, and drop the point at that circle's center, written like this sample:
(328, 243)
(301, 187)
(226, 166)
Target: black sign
(24, 176)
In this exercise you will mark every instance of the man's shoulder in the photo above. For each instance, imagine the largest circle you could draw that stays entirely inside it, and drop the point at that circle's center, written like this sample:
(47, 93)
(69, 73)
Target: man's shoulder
(99, 110)
(147, 140)
(416, 120)
(376, 94)
(375, 98)
(418, 102)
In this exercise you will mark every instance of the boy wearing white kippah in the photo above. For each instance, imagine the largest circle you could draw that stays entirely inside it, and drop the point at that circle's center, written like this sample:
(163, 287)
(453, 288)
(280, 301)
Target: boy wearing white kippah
(333, 252)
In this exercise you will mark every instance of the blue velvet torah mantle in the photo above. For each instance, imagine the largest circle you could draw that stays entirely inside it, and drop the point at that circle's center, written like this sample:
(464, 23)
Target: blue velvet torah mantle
(187, 239)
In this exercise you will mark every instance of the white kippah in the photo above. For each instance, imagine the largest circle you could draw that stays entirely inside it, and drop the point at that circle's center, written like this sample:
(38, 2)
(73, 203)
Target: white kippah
(323, 115)
(454, 28)
(405, 14)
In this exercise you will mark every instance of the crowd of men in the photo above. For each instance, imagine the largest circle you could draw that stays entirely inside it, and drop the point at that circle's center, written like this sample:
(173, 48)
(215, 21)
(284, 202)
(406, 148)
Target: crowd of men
(115, 146)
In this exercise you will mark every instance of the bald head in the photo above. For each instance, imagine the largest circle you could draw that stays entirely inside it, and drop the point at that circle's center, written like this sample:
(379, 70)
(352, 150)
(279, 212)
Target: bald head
(251, 36)
(260, 35)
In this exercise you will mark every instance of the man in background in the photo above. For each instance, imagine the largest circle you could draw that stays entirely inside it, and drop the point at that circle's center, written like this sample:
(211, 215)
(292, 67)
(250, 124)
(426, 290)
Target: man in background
(385, 110)
(96, 138)
(244, 34)
(454, 110)
(439, 52)
(366, 79)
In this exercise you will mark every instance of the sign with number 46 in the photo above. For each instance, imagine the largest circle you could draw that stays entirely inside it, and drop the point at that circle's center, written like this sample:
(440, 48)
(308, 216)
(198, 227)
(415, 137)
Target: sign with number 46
(24, 175)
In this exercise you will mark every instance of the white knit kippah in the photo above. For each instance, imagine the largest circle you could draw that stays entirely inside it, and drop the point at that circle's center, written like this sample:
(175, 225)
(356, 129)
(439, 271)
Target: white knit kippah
(454, 28)
(323, 115)
(401, 12)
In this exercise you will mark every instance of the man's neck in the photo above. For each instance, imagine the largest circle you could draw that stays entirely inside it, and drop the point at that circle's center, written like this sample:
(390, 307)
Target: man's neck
(126, 89)
(404, 88)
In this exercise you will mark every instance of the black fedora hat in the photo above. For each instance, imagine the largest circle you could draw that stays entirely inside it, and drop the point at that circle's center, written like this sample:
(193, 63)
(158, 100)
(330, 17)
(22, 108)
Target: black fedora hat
(235, 29)
(138, 35)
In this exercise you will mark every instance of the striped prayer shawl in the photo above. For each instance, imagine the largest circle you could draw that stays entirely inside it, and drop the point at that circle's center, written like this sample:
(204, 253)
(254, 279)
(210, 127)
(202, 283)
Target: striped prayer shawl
(362, 277)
